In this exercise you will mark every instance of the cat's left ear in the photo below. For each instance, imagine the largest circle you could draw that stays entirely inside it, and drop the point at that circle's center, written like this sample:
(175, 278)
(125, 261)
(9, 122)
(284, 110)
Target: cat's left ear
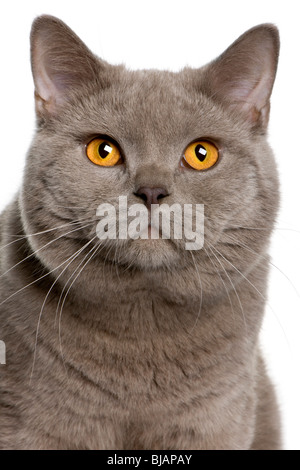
(242, 77)
(61, 64)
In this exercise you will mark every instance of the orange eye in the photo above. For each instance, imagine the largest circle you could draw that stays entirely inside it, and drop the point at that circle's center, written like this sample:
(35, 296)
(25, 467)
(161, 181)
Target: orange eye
(103, 152)
(201, 155)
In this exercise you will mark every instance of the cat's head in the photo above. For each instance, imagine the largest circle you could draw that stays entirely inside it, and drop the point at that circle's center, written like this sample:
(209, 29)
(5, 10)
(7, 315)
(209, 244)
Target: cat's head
(150, 119)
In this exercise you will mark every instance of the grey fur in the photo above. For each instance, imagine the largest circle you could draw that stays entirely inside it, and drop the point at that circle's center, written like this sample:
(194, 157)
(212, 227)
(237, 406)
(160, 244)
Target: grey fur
(155, 347)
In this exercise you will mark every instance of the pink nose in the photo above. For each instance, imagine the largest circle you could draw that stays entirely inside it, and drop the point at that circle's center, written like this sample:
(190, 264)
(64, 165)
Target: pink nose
(151, 195)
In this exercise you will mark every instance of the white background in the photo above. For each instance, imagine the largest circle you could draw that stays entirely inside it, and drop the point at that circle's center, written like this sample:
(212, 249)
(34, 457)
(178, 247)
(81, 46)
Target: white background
(172, 34)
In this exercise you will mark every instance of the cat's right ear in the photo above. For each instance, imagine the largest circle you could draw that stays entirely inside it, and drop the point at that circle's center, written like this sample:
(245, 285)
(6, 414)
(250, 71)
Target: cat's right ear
(61, 63)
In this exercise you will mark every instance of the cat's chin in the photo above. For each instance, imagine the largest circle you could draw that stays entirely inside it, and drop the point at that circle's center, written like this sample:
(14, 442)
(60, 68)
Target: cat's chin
(152, 254)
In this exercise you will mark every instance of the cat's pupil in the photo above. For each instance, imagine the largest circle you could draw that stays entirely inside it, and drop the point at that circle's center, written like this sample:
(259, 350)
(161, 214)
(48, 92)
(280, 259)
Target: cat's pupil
(200, 152)
(104, 149)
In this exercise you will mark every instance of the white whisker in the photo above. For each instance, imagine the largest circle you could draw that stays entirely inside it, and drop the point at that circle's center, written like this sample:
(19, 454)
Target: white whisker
(201, 292)
(45, 246)
(230, 280)
(217, 271)
(257, 290)
(22, 237)
(93, 251)
(74, 256)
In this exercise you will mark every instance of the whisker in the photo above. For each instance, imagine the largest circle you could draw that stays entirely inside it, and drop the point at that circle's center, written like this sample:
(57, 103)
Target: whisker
(243, 245)
(65, 286)
(35, 281)
(257, 290)
(258, 228)
(21, 237)
(239, 227)
(217, 271)
(201, 290)
(74, 256)
(240, 273)
(233, 286)
(93, 250)
(44, 246)
(116, 261)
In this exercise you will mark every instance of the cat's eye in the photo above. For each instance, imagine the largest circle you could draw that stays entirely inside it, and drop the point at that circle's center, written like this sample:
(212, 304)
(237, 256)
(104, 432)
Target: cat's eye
(201, 155)
(103, 152)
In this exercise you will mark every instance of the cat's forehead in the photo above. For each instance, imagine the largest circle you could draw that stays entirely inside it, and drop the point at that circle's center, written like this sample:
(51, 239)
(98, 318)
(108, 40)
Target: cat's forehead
(156, 101)
(150, 104)
(147, 109)
(158, 94)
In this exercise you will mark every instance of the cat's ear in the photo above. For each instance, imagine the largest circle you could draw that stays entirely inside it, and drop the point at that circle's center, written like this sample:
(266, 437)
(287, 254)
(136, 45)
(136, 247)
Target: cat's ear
(243, 76)
(61, 63)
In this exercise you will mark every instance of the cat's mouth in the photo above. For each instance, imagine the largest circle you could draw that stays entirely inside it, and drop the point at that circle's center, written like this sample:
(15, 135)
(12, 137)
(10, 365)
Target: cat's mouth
(148, 251)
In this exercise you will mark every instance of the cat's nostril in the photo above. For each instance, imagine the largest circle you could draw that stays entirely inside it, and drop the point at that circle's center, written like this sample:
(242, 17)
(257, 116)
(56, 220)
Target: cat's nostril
(151, 195)
(142, 195)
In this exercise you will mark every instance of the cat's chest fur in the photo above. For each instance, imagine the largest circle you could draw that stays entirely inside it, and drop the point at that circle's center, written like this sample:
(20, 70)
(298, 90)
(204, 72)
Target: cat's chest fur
(134, 365)
(138, 380)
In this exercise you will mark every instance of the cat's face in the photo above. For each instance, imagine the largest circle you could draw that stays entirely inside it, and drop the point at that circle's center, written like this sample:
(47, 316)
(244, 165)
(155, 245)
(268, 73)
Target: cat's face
(152, 117)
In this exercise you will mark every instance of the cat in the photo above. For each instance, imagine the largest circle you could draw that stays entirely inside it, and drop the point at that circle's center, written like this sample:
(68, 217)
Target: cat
(134, 343)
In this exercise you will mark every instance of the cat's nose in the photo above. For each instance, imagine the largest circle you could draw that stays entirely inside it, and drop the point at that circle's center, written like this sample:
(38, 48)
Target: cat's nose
(151, 195)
